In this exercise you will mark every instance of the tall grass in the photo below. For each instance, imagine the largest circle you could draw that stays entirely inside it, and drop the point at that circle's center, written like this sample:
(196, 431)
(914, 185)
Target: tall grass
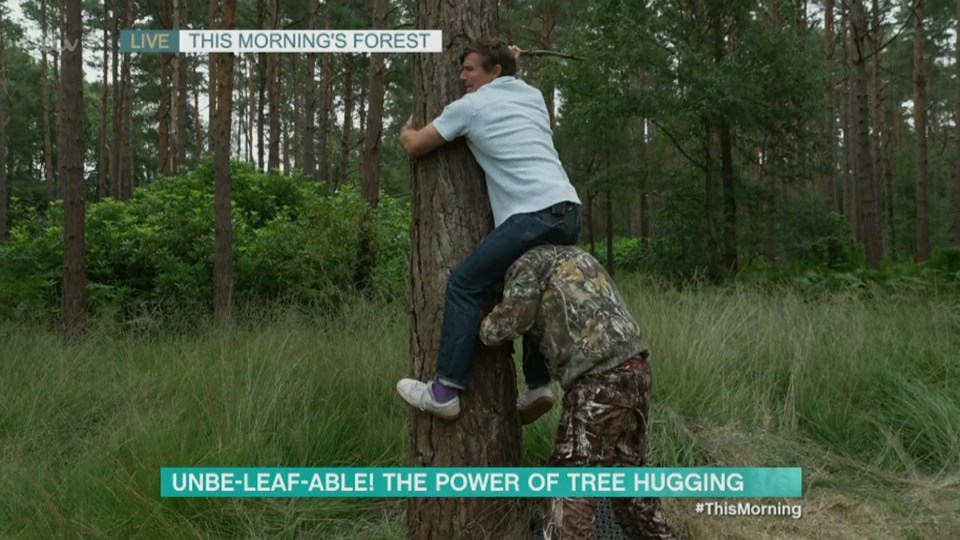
(859, 392)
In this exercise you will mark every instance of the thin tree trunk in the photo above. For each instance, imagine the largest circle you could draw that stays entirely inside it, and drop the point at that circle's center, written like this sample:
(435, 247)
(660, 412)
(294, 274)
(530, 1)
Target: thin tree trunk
(251, 105)
(273, 91)
(57, 79)
(956, 120)
(128, 175)
(197, 127)
(341, 176)
(846, 126)
(45, 105)
(115, 165)
(223, 229)
(883, 177)
(370, 153)
(920, 129)
(361, 113)
(870, 222)
(261, 88)
(310, 104)
(3, 136)
(285, 137)
(163, 108)
(179, 118)
(214, 12)
(172, 152)
(829, 188)
(451, 215)
(370, 172)
(297, 107)
(105, 84)
(326, 107)
(71, 175)
(709, 196)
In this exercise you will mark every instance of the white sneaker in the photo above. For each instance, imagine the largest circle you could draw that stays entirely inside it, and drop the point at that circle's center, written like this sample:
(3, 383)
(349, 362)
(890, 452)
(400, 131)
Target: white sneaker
(534, 403)
(417, 394)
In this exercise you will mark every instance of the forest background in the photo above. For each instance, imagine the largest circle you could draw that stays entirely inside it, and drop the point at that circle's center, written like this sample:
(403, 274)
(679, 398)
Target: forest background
(774, 184)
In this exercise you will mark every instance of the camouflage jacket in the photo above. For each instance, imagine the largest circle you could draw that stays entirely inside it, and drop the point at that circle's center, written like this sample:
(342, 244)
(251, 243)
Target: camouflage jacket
(567, 302)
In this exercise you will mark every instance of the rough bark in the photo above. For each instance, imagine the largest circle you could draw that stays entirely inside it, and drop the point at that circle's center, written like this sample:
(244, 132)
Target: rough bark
(223, 225)
(450, 215)
(920, 132)
(71, 175)
(866, 199)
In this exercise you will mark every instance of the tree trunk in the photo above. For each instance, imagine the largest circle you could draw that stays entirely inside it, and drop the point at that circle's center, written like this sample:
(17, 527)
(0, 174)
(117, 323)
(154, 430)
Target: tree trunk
(285, 139)
(273, 92)
(920, 132)
(104, 84)
(171, 163)
(197, 127)
(450, 216)
(870, 222)
(179, 117)
(829, 188)
(3, 137)
(45, 105)
(729, 199)
(884, 176)
(326, 106)
(846, 127)
(71, 175)
(709, 196)
(163, 108)
(310, 104)
(344, 163)
(57, 80)
(115, 166)
(370, 172)
(956, 120)
(223, 228)
(295, 159)
(128, 165)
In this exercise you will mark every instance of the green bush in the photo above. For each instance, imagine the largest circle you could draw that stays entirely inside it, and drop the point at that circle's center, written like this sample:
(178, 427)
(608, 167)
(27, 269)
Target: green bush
(292, 241)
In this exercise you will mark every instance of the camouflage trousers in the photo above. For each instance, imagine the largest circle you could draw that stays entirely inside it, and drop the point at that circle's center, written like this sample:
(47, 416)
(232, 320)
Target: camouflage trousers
(604, 424)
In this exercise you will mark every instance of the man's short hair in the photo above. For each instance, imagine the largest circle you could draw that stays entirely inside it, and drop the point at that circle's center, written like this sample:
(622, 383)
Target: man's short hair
(492, 51)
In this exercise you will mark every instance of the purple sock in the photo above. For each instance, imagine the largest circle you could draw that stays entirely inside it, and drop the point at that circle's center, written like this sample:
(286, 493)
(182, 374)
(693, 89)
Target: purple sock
(441, 392)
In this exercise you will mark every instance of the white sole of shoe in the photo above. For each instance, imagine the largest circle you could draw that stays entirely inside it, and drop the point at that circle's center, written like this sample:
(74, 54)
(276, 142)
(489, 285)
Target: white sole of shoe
(435, 414)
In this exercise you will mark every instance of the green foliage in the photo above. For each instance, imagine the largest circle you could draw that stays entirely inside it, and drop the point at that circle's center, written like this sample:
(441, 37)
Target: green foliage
(292, 242)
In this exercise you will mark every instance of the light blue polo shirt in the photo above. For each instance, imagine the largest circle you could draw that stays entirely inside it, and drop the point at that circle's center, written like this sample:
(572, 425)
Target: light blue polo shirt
(508, 130)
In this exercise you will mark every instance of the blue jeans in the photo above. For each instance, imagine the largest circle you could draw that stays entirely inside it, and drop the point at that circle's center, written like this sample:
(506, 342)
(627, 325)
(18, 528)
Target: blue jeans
(486, 265)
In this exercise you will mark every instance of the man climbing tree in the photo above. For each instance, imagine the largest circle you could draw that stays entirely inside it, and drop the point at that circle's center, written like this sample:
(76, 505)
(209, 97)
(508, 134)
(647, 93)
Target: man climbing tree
(451, 214)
